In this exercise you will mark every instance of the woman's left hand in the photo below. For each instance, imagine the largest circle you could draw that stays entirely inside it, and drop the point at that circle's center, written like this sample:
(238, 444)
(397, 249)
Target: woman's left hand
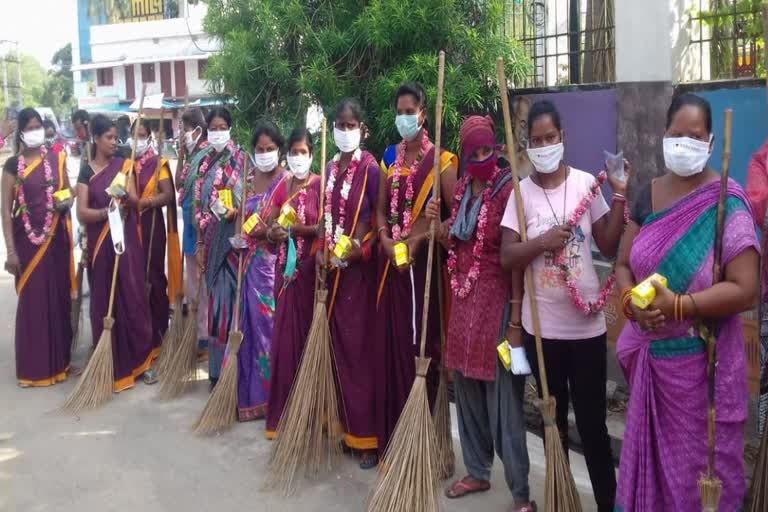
(664, 301)
(231, 214)
(620, 186)
(63, 206)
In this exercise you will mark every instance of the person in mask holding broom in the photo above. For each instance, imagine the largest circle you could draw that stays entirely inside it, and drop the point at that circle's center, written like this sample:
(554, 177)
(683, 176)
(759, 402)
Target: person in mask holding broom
(672, 233)
(404, 191)
(351, 192)
(38, 240)
(295, 270)
(257, 295)
(489, 398)
(132, 348)
(217, 195)
(564, 210)
(193, 149)
(155, 192)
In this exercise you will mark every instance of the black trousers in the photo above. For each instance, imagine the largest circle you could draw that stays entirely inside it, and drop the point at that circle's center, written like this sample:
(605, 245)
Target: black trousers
(578, 368)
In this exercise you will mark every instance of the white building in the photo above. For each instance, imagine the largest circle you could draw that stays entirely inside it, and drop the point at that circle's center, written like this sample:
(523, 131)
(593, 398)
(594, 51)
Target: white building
(165, 55)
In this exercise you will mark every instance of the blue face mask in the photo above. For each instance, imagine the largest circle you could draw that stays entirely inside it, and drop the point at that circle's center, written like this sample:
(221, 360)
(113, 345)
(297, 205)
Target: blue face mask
(408, 125)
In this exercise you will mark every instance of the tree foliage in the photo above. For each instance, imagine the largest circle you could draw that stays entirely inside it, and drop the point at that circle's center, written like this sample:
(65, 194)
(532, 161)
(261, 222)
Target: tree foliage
(279, 57)
(58, 90)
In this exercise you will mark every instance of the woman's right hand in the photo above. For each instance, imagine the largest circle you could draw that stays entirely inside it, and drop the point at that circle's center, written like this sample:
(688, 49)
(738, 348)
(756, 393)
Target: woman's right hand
(388, 246)
(277, 233)
(648, 319)
(12, 264)
(433, 210)
(556, 238)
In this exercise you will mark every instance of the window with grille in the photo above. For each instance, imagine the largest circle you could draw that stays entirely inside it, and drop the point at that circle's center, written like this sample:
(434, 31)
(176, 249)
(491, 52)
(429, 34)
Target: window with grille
(726, 40)
(568, 41)
(148, 73)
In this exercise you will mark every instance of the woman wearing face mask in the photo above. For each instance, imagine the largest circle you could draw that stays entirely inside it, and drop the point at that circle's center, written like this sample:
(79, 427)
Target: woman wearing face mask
(219, 170)
(572, 322)
(257, 301)
(133, 349)
(404, 191)
(295, 271)
(489, 399)
(193, 149)
(672, 232)
(351, 192)
(38, 237)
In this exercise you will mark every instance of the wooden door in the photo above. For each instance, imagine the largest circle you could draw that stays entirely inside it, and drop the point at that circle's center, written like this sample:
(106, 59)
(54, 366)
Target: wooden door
(165, 79)
(130, 84)
(180, 77)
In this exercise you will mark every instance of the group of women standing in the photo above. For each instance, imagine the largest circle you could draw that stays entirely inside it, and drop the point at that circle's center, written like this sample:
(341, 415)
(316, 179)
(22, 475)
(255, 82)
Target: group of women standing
(375, 302)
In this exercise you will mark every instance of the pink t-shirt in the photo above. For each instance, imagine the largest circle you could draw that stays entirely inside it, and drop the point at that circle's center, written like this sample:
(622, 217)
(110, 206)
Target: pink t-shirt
(560, 319)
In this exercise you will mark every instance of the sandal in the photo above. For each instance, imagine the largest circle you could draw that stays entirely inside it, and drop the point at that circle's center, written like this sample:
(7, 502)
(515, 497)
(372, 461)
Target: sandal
(150, 377)
(529, 507)
(369, 460)
(75, 371)
(465, 486)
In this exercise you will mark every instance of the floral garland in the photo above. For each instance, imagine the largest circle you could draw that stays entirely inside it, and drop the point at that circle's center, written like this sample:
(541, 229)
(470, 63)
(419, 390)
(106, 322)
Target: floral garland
(300, 219)
(149, 153)
(185, 173)
(333, 235)
(398, 232)
(21, 200)
(588, 308)
(204, 218)
(462, 289)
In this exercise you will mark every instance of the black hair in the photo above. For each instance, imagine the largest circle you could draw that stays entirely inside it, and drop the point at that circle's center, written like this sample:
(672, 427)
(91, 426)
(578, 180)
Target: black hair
(690, 99)
(25, 116)
(354, 106)
(270, 129)
(543, 108)
(219, 112)
(146, 124)
(100, 124)
(300, 135)
(47, 123)
(194, 117)
(414, 89)
(81, 115)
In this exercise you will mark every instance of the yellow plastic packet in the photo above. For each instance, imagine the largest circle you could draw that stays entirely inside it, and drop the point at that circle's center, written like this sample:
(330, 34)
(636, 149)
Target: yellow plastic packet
(644, 293)
(287, 217)
(62, 195)
(343, 248)
(401, 254)
(119, 186)
(251, 223)
(504, 350)
(225, 196)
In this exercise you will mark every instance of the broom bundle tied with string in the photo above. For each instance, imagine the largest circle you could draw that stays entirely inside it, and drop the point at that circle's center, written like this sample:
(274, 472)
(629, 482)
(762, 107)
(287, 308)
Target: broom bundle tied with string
(308, 437)
(95, 385)
(561, 494)
(409, 472)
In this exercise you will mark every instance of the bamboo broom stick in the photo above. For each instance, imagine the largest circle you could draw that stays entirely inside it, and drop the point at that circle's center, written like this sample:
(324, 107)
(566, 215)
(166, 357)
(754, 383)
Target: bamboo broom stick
(95, 385)
(561, 494)
(158, 166)
(409, 473)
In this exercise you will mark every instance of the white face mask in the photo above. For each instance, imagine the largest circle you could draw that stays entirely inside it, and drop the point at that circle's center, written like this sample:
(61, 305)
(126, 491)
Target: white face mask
(685, 156)
(190, 141)
(33, 138)
(142, 145)
(266, 162)
(547, 159)
(348, 141)
(219, 139)
(300, 165)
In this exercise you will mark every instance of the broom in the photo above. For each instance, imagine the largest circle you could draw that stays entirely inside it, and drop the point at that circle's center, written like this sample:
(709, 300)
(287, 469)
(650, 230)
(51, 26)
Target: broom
(158, 166)
(710, 487)
(307, 440)
(220, 412)
(95, 385)
(561, 494)
(408, 476)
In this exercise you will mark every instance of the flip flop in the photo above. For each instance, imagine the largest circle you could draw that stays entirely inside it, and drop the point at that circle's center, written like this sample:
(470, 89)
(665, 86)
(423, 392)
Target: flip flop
(461, 488)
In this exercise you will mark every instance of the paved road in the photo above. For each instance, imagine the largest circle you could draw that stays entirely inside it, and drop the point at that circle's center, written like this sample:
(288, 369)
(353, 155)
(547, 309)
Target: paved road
(137, 453)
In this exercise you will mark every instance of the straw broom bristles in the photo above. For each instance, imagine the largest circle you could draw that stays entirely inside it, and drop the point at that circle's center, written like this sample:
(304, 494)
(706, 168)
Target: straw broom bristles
(760, 478)
(182, 361)
(170, 343)
(407, 478)
(408, 475)
(561, 494)
(308, 434)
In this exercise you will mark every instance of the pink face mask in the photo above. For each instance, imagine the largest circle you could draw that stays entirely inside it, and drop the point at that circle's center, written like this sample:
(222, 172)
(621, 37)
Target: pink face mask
(482, 170)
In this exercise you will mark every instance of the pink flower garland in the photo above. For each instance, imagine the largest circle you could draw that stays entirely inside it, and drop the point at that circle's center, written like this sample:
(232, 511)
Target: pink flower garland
(21, 200)
(398, 232)
(300, 219)
(204, 218)
(332, 234)
(185, 173)
(462, 289)
(588, 308)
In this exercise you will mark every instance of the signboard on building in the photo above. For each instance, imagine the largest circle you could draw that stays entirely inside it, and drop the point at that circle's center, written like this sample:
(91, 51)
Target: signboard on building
(144, 10)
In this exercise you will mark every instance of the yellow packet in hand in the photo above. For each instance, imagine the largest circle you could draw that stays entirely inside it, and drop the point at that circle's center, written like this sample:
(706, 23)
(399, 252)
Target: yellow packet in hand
(504, 350)
(62, 195)
(225, 196)
(644, 293)
(287, 217)
(401, 254)
(343, 248)
(251, 223)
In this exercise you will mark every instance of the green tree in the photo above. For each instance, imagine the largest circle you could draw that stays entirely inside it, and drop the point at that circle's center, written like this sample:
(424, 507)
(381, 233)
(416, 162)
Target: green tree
(33, 80)
(281, 56)
(58, 92)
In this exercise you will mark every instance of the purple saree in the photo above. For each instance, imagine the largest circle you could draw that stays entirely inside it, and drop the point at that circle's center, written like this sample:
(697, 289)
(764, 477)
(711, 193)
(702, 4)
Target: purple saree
(44, 286)
(665, 442)
(132, 345)
(293, 308)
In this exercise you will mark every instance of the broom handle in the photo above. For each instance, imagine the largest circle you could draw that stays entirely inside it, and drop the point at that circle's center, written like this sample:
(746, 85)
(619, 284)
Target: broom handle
(243, 202)
(716, 277)
(160, 141)
(521, 223)
(179, 167)
(436, 195)
(320, 214)
(135, 133)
